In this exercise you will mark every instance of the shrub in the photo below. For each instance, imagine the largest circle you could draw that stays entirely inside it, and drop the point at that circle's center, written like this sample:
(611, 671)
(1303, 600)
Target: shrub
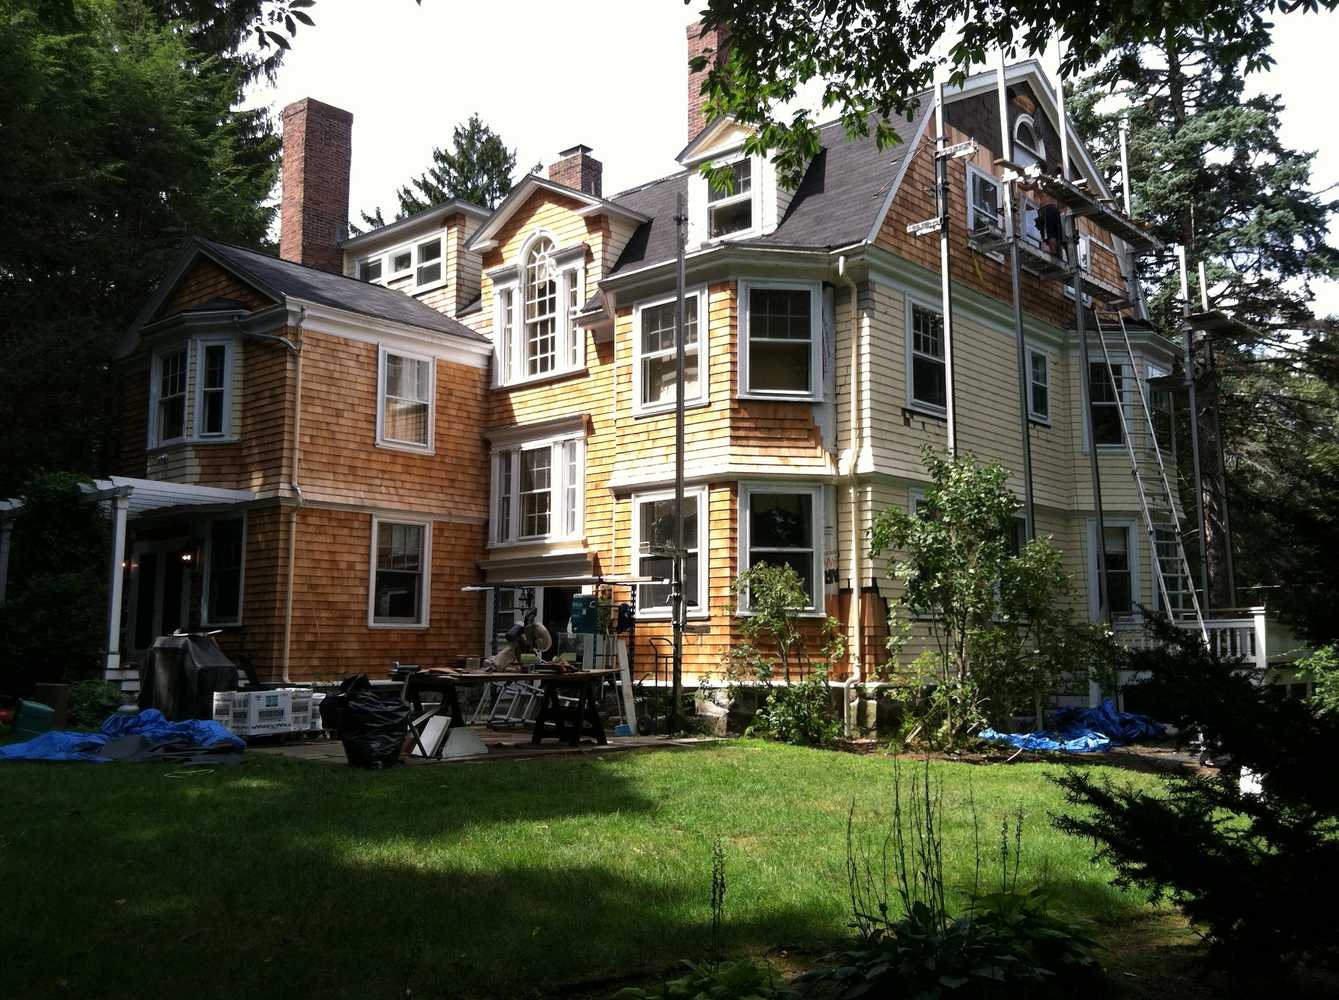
(798, 713)
(1010, 942)
(1257, 872)
(92, 701)
(1322, 669)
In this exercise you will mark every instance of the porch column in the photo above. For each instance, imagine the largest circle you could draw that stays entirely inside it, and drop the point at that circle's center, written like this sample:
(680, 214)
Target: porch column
(120, 509)
(6, 529)
(1261, 639)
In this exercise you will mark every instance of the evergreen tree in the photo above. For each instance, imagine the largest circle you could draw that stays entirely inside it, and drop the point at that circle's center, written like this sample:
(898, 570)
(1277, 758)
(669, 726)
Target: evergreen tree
(1210, 173)
(476, 168)
(121, 139)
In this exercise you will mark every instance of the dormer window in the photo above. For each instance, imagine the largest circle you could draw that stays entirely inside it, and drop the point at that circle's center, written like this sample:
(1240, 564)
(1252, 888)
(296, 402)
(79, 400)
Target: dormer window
(731, 211)
(429, 257)
(369, 269)
(401, 263)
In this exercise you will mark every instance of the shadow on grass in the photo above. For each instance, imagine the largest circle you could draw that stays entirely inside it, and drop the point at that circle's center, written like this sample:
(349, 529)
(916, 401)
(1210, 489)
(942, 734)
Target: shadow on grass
(307, 881)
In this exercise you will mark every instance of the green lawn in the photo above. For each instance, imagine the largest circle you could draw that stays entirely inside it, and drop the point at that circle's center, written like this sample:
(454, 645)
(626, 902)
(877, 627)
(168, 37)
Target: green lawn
(298, 879)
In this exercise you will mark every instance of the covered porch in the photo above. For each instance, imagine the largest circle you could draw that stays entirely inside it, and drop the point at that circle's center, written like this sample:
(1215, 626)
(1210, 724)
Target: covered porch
(1249, 634)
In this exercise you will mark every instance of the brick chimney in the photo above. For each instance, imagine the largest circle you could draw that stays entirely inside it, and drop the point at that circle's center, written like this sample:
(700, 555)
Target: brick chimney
(314, 205)
(714, 46)
(578, 169)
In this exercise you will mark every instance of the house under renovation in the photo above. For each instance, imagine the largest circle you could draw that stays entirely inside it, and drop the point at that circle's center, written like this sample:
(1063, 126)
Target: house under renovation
(381, 448)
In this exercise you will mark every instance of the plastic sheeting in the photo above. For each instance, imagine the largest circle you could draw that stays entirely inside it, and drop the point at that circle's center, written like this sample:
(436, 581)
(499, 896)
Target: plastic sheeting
(154, 731)
(1083, 730)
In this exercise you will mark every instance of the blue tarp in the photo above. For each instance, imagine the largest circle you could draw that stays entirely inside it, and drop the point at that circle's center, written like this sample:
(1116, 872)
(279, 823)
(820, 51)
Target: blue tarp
(150, 724)
(1083, 730)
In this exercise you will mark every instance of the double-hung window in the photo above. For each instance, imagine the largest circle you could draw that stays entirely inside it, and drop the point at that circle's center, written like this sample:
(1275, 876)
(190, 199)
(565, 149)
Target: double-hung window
(404, 415)
(927, 370)
(170, 375)
(1116, 550)
(731, 210)
(782, 340)
(428, 263)
(224, 557)
(1039, 385)
(398, 591)
(212, 388)
(780, 527)
(655, 374)
(983, 200)
(536, 303)
(652, 542)
(538, 490)
(1160, 410)
(1106, 388)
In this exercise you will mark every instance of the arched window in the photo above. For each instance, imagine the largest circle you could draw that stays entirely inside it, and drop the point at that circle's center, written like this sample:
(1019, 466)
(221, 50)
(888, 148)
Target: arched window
(1028, 145)
(541, 308)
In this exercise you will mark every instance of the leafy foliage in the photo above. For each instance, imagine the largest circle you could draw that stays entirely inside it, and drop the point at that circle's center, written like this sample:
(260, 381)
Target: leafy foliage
(798, 713)
(1322, 668)
(477, 168)
(52, 621)
(872, 57)
(124, 133)
(91, 701)
(1257, 871)
(1000, 623)
(1011, 941)
(739, 980)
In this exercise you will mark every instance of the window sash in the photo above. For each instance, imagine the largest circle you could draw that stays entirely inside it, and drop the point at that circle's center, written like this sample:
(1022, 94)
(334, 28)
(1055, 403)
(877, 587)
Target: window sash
(575, 300)
(536, 491)
(399, 573)
(1118, 563)
(171, 409)
(983, 200)
(927, 369)
(655, 344)
(655, 597)
(1102, 398)
(428, 257)
(804, 557)
(781, 340)
(571, 487)
(214, 390)
(1039, 385)
(541, 309)
(406, 407)
(370, 269)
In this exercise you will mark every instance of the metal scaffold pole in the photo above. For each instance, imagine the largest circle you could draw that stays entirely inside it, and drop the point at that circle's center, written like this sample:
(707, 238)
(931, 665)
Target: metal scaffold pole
(677, 603)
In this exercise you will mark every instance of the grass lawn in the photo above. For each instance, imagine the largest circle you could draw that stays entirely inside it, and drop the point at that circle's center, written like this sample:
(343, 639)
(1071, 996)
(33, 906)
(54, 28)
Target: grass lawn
(290, 878)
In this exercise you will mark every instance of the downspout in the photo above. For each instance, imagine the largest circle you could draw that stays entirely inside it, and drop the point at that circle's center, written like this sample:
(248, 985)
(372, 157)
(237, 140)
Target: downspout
(297, 493)
(854, 628)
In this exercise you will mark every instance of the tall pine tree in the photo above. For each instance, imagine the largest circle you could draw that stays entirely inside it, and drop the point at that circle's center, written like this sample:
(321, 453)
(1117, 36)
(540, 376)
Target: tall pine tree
(477, 168)
(1210, 173)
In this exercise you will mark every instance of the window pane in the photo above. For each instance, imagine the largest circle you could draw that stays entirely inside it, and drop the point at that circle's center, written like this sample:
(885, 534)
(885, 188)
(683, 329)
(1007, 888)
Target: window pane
(1116, 548)
(779, 313)
(1041, 402)
(398, 588)
(659, 376)
(536, 493)
(541, 309)
(402, 261)
(172, 396)
(781, 520)
(732, 218)
(370, 270)
(225, 571)
(656, 527)
(743, 182)
(779, 367)
(504, 495)
(571, 488)
(928, 382)
(405, 413)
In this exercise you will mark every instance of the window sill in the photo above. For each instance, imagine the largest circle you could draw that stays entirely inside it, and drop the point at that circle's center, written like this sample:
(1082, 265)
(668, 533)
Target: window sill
(807, 613)
(520, 543)
(191, 442)
(912, 410)
(1037, 421)
(661, 410)
(525, 383)
(762, 396)
(660, 615)
(224, 626)
(423, 289)
(411, 449)
(400, 626)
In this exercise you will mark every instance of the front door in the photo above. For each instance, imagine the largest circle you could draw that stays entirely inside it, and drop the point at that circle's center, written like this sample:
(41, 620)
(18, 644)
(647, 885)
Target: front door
(159, 591)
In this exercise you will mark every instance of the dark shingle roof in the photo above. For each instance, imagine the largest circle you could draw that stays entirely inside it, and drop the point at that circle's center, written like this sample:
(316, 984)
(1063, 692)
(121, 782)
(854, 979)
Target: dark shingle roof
(836, 203)
(309, 284)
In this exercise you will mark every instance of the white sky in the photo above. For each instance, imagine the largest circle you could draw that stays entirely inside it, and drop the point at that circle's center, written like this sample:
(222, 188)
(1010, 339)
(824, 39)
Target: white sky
(611, 74)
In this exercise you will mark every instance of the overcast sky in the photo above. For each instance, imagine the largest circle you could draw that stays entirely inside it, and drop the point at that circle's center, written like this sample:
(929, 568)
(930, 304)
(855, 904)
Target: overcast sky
(609, 73)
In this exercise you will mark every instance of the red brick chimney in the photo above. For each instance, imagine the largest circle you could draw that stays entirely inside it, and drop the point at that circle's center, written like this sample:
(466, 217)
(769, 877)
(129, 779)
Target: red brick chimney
(578, 169)
(714, 46)
(314, 206)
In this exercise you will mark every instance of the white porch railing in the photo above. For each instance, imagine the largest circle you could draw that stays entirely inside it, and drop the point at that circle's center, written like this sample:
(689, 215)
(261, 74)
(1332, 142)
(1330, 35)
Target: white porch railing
(1241, 633)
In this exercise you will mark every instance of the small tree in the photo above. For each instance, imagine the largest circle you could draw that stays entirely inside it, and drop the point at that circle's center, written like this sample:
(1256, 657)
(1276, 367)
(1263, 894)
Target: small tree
(1000, 623)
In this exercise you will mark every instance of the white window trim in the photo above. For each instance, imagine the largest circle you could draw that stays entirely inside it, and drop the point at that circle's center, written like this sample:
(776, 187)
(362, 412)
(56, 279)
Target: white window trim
(387, 258)
(748, 490)
(754, 196)
(388, 272)
(209, 573)
(1039, 153)
(425, 572)
(1132, 541)
(156, 394)
(570, 346)
(745, 390)
(428, 286)
(1033, 414)
(974, 171)
(380, 258)
(557, 489)
(198, 352)
(912, 402)
(701, 493)
(382, 440)
(693, 299)
(1126, 398)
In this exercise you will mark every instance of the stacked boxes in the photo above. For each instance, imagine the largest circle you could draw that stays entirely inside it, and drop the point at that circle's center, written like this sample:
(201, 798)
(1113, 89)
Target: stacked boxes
(268, 713)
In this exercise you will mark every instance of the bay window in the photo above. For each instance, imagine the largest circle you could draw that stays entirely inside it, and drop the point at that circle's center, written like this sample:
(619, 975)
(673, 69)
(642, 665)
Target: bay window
(927, 379)
(538, 490)
(190, 392)
(405, 409)
(400, 572)
(653, 532)
(781, 340)
(654, 372)
(780, 526)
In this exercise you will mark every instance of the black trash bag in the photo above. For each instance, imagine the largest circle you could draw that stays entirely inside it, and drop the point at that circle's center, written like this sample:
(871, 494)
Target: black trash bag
(372, 729)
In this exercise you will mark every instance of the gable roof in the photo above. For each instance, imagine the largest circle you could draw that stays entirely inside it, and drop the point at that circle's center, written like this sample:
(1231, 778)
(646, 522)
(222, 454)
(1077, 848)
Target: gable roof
(483, 236)
(840, 200)
(282, 280)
